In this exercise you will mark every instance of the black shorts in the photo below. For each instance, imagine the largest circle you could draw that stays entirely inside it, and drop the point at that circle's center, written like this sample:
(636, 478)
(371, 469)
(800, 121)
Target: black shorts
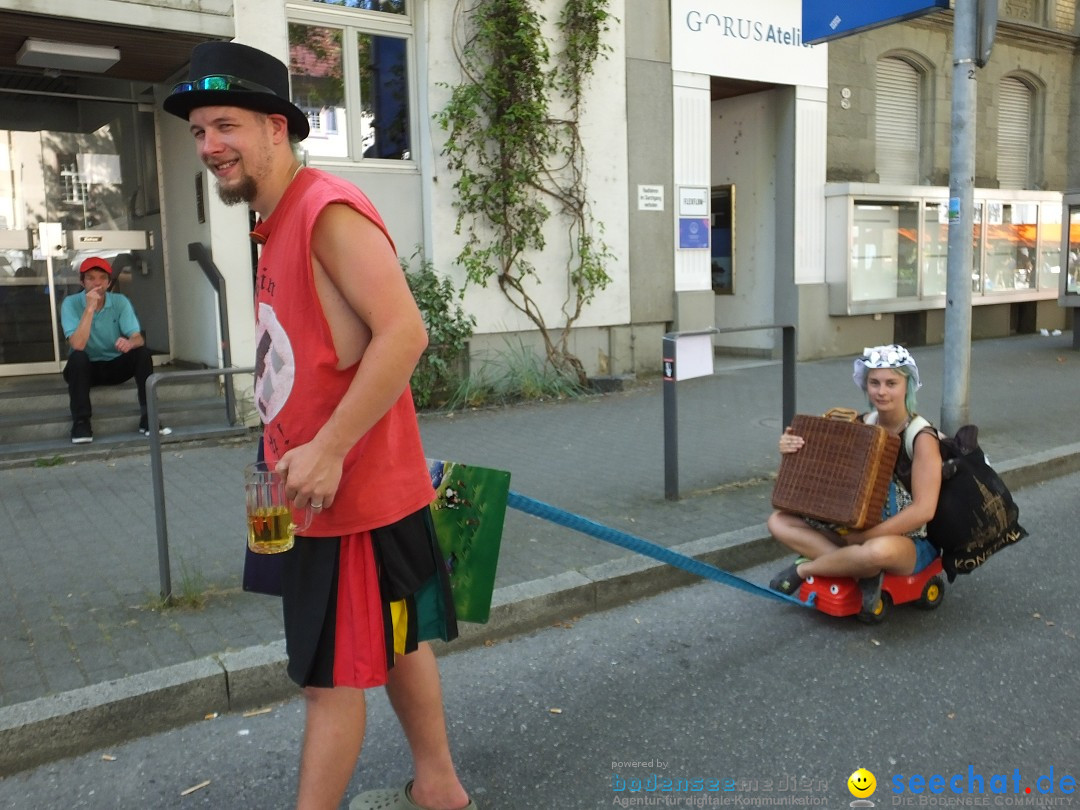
(352, 603)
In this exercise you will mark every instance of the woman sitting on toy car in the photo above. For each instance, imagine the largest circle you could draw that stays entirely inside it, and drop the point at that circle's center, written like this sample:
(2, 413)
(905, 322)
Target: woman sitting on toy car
(898, 544)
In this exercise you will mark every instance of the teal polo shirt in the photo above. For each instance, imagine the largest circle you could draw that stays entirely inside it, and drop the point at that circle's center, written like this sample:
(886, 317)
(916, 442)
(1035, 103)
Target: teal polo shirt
(114, 320)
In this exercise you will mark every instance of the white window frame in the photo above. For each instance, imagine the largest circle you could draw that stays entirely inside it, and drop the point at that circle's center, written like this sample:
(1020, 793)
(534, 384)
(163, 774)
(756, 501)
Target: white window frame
(359, 21)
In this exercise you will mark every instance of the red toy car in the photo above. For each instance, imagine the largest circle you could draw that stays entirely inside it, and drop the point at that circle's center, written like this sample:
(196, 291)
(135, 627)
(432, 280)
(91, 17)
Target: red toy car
(840, 596)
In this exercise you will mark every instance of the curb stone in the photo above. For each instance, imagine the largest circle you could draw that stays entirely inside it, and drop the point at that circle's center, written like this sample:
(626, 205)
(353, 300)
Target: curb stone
(92, 717)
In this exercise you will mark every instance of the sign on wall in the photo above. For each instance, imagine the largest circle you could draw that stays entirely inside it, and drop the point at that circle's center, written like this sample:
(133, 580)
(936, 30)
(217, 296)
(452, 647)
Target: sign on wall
(823, 20)
(650, 198)
(693, 201)
(693, 233)
(761, 41)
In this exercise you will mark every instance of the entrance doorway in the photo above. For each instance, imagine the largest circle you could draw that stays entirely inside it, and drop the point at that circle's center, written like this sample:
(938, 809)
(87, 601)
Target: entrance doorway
(77, 179)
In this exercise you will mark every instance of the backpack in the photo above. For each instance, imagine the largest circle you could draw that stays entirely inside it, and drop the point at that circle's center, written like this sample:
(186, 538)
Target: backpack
(976, 515)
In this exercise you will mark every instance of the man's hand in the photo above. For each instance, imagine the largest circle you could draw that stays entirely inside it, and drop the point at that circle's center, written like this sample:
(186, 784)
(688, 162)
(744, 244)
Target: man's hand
(312, 475)
(124, 345)
(94, 297)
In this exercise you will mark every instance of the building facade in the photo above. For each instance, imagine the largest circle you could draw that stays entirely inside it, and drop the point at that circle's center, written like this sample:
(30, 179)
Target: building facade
(742, 177)
(830, 196)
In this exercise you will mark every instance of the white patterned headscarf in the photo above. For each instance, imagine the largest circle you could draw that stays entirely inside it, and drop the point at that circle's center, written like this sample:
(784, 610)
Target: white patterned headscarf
(891, 356)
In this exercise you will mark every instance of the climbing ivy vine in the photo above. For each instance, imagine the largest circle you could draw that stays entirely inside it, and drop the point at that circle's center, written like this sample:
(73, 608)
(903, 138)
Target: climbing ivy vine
(518, 163)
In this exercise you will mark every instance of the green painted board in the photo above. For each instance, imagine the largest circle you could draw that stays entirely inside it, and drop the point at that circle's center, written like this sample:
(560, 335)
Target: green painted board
(468, 512)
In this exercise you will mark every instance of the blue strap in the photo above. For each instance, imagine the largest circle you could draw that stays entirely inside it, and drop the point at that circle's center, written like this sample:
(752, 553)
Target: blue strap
(531, 506)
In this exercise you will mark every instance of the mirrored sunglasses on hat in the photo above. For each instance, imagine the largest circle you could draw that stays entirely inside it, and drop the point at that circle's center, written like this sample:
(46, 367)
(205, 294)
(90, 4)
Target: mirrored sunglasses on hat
(220, 82)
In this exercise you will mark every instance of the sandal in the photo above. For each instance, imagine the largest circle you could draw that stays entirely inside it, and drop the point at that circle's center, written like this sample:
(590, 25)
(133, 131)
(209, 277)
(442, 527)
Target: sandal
(788, 581)
(392, 799)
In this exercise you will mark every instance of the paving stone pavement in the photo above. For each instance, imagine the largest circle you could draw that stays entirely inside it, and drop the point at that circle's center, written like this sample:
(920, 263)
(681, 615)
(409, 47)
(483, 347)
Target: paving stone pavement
(79, 567)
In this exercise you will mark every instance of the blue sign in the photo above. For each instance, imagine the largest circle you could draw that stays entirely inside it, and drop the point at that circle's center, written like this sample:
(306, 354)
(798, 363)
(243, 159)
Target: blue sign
(693, 232)
(823, 20)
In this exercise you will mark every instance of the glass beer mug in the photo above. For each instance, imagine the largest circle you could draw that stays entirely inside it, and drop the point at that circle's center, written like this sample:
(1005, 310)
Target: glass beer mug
(272, 521)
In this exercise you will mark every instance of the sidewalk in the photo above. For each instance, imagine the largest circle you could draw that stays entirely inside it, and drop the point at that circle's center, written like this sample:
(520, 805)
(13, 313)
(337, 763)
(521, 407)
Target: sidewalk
(86, 658)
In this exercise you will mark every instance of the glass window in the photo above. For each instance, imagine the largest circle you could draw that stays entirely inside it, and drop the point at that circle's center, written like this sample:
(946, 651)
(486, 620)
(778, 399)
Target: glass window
(73, 185)
(317, 71)
(976, 249)
(884, 250)
(722, 238)
(385, 6)
(935, 241)
(358, 103)
(1072, 282)
(384, 97)
(1048, 270)
(1010, 246)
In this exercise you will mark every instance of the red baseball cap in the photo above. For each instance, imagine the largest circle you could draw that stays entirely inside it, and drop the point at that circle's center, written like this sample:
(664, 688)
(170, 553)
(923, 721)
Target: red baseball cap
(95, 263)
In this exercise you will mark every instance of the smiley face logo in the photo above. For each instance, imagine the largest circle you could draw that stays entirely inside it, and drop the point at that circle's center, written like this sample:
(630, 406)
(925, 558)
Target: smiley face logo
(861, 783)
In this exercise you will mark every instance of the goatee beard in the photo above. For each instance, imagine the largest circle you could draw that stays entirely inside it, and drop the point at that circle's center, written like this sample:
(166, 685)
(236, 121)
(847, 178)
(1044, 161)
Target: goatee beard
(244, 192)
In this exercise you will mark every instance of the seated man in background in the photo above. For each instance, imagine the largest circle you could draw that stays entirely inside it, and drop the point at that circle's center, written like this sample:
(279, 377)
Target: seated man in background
(107, 346)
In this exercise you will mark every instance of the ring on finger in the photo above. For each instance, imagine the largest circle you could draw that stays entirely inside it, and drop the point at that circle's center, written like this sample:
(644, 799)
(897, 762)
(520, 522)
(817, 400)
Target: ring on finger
(316, 506)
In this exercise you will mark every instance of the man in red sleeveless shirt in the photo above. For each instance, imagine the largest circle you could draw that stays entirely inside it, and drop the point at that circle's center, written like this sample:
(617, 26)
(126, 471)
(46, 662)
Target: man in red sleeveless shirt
(338, 334)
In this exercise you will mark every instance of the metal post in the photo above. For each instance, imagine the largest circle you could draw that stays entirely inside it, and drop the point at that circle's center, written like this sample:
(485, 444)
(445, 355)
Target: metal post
(671, 408)
(157, 475)
(789, 375)
(957, 357)
(198, 253)
(671, 423)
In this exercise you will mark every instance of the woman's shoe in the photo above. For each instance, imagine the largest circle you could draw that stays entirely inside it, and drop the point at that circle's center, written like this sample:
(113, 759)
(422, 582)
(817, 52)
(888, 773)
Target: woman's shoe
(788, 581)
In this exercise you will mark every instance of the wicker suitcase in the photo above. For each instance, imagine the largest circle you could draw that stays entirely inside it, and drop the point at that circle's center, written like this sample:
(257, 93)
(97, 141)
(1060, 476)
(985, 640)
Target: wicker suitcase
(841, 475)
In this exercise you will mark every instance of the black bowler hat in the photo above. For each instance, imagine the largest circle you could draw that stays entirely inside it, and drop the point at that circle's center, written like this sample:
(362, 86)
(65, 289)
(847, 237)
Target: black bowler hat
(229, 74)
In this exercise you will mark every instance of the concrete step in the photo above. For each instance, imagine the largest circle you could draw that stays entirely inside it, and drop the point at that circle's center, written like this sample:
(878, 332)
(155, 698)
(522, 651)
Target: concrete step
(108, 419)
(30, 394)
(34, 411)
(51, 452)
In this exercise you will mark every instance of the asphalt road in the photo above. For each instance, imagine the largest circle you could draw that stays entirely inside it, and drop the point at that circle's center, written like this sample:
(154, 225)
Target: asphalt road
(770, 703)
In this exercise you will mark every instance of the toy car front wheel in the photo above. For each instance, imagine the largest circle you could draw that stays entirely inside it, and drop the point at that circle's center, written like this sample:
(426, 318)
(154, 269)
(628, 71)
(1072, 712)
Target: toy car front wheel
(879, 612)
(932, 593)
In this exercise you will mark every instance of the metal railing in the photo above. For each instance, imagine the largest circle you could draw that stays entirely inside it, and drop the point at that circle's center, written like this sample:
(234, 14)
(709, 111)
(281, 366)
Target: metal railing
(156, 469)
(671, 378)
(199, 254)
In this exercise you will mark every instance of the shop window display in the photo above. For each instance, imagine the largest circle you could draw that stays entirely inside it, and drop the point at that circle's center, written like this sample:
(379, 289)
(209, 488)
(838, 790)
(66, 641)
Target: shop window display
(884, 250)
(1072, 280)
(898, 248)
(1011, 235)
(1048, 267)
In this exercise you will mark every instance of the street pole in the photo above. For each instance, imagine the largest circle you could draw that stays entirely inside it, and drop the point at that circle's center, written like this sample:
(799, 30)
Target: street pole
(957, 358)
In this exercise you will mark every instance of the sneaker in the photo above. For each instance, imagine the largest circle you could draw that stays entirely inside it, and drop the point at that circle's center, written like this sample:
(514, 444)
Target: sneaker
(871, 591)
(788, 581)
(144, 429)
(81, 433)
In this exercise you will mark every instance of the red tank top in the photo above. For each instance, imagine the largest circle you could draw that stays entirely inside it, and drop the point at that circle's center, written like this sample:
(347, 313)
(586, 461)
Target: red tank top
(297, 383)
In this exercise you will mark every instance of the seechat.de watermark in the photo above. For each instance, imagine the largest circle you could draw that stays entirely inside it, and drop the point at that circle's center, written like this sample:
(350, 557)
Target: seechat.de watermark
(974, 789)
